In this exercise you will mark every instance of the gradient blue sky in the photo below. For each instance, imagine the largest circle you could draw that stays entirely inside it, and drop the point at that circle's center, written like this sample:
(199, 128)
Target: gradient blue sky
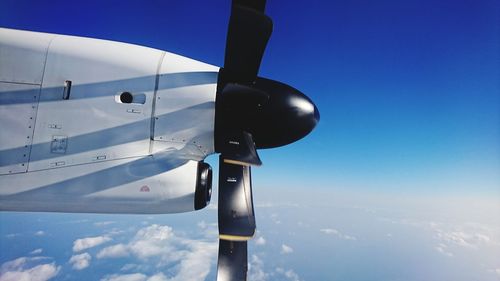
(408, 91)
(400, 180)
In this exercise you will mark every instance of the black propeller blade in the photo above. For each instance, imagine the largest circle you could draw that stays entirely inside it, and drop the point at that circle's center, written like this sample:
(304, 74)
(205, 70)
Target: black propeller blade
(236, 215)
(250, 113)
(247, 36)
(232, 263)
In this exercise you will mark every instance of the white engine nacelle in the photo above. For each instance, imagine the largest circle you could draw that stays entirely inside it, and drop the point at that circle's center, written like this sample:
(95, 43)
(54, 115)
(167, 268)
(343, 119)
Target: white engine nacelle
(85, 119)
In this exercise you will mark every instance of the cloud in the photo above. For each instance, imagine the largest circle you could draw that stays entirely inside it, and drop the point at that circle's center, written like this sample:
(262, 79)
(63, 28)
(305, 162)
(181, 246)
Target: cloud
(158, 277)
(256, 269)
(135, 277)
(256, 272)
(77, 221)
(458, 238)
(36, 252)
(275, 218)
(115, 251)
(202, 224)
(441, 248)
(260, 241)
(104, 223)
(195, 264)
(467, 235)
(125, 277)
(289, 274)
(276, 205)
(115, 231)
(337, 233)
(24, 269)
(211, 230)
(153, 240)
(471, 240)
(159, 245)
(40, 233)
(329, 231)
(89, 242)
(129, 266)
(285, 249)
(80, 261)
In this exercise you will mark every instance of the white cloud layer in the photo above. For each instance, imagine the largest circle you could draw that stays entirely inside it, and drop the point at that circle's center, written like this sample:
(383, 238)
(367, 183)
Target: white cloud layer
(36, 252)
(89, 242)
(125, 277)
(463, 239)
(114, 251)
(442, 248)
(211, 230)
(160, 245)
(285, 249)
(104, 223)
(332, 231)
(80, 261)
(288, 274)
(158, 277)
(256, 269)
(24, 269)
(260, 241)
(135, 277)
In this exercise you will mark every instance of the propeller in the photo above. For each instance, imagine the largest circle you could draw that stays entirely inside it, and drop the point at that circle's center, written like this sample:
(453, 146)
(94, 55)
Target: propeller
(250, 113)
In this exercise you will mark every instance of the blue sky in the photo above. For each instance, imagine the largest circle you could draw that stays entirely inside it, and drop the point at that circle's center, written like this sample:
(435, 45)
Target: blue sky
(408, 146)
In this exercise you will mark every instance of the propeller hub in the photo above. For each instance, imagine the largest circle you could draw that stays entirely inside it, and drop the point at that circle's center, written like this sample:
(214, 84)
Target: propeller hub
(288, 116)
(274, 113)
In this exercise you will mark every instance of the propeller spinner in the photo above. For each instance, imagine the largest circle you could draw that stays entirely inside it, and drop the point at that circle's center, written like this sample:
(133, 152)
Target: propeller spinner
(251, 113)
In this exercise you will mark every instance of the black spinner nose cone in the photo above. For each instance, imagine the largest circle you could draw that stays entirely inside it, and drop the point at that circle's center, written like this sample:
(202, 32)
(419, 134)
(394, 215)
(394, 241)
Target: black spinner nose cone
(288, 116)
(274, 113)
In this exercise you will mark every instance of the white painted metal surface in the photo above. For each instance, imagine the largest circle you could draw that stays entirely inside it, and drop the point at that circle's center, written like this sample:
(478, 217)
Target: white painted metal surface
(92, 147)
(22, 56)
(18, 104)
(95, 125)
(133, 185)
(187, 95)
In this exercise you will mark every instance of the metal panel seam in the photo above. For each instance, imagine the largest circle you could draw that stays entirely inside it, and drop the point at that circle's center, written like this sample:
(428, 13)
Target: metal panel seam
(153, 105)
(38, 102)
(19, 83)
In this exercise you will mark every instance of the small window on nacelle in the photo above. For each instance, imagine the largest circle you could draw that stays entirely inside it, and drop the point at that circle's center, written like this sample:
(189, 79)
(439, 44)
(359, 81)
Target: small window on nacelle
(128, 97)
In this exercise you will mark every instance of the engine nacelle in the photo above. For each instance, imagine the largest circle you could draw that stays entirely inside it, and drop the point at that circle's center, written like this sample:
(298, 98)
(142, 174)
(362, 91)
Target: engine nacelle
(111, 127)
